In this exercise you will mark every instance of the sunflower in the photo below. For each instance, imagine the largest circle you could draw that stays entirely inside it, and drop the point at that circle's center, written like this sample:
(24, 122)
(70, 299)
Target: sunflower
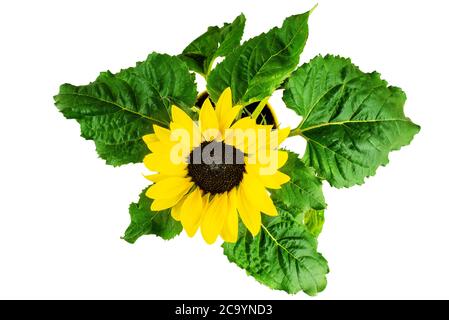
(218, 169)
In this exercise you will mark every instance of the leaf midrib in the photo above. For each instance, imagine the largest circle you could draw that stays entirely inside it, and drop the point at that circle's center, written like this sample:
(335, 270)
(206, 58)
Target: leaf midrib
(123, 108)
(336, 153)
(278, 244)
(310, 193)
(272, 56)
(339, 123)
(290, 254)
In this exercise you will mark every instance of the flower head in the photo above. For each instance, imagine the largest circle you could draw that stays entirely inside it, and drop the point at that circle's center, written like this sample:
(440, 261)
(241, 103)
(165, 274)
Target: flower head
(212, 172)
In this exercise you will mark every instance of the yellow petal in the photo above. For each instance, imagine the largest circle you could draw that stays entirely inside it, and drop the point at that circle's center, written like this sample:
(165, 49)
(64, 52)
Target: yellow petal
(257, 195)
(191, 212)
(282, 158)
(206, 202)
(214, 218)
(266, 162)
(267, 206)
(224, 104)
(179, 116)
(176, 210)
(156, 177)
(250, 216)
(149, 138)
(181, 144)
(168, 188)
(276, 137)
(231, 225)
(162, 204)
(161, 146)
(264, 136)
(188, 136)
(208, 121)
(184, 129)
(274, 181)
(242, 135)
(162, 163)
(283, 134)
(161, 133)
(270, 139)
(153, 145)
(226, 113)
(226, 119)
(269, 158)
(244, 123)
(159, 176)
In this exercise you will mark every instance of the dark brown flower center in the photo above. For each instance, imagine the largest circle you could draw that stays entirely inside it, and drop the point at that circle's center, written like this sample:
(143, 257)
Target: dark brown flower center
(216, 167)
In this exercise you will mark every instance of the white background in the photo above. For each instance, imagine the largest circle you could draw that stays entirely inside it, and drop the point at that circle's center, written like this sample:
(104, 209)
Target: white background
(62, 210)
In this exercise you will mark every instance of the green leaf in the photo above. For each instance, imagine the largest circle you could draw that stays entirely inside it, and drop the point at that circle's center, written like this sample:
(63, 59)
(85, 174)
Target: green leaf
(314, 221)
(282, 256)
(255, 69)
(351, 120)
(116, 110)
(304, 190)
(215, 42)
(145, 222)
(122, 153)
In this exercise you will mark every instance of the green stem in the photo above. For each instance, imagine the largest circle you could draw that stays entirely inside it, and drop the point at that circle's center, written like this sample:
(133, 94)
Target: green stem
(259, 108)
(313, 9)
(295, 132)
(209, 68)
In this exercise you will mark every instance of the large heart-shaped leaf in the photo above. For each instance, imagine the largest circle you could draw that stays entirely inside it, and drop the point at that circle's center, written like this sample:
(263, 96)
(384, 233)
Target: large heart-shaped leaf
(351, 119)
(116, 110)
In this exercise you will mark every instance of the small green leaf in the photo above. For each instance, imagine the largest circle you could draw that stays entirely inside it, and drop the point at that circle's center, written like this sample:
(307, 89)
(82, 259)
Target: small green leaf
(145, 222)
(282, 256)
(351, 120)
(304, 190)
(116, 110)
(215, 42)
(314, 221)
(255, 69)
